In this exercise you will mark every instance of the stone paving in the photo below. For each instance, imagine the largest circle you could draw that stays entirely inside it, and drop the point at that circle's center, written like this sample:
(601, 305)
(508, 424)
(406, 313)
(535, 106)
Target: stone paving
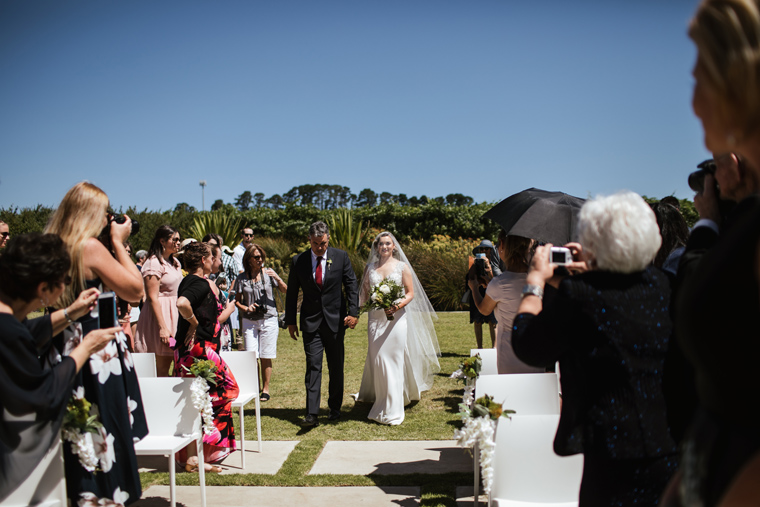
(337, 457)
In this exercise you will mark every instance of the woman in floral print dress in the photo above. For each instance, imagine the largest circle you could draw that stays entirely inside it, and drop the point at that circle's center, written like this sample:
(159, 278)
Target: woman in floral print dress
(108, 381)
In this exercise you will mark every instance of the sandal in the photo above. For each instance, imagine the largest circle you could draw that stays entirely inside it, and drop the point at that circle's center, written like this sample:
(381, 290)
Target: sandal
(264, 396)
(192, 466)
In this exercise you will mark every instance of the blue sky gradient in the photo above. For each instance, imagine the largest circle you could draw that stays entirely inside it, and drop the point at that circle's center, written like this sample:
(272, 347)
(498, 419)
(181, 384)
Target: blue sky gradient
(485, 98)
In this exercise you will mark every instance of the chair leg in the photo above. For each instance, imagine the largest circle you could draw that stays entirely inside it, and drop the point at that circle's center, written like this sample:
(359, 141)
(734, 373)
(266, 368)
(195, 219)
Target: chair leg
(172, 480)
(242, 437)
(201, 469)
(258, 421)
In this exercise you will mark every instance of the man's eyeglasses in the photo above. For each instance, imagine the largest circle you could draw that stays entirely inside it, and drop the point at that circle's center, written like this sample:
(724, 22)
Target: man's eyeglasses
(5, 234)
(247, 235)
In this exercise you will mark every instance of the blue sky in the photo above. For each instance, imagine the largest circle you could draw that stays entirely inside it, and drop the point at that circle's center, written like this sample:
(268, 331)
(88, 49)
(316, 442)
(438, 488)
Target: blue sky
(485, 98)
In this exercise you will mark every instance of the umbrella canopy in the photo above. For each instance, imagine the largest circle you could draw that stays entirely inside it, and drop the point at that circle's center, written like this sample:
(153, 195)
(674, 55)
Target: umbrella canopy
(549, 217)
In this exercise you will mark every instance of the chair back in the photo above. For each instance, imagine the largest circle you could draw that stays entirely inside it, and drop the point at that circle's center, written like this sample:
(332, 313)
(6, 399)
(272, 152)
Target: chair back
(488, 357)
(168, 405)
(245, 370)
(145, 364)
(525, 393)
(525, 467)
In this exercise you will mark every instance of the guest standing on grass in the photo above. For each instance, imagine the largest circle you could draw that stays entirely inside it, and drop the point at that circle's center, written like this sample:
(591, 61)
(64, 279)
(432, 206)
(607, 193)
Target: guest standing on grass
(158, 321)
(254, 298)
(246, 239)
(503, 296)
(198, 333)
(322, 273)
(609, 328)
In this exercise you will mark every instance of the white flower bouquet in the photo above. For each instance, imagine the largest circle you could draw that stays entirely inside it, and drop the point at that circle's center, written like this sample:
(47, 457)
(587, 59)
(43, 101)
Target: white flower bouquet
(384, 295)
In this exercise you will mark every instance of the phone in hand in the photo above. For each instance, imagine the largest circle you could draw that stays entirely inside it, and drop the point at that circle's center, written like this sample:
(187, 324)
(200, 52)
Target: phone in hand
(107, 316)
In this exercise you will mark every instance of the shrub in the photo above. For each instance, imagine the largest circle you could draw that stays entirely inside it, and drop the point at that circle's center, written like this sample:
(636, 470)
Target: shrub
(224, 224)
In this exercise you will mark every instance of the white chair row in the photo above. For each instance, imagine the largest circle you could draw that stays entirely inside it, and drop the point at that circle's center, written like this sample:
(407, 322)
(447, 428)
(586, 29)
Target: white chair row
(525, 393)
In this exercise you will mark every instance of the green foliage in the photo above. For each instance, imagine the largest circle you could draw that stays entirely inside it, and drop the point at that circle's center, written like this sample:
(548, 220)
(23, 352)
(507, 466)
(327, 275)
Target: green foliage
(344, 232)
(441, 265)
(25, 220)
(219, 222)
(689, 212)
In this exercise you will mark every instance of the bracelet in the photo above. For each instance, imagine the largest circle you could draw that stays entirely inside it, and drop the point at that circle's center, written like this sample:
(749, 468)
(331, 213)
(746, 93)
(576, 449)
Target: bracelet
(66, 314)
(532, 290)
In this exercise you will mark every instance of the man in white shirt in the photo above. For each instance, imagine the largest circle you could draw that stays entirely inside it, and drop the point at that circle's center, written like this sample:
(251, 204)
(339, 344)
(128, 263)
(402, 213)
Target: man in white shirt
(246, 236)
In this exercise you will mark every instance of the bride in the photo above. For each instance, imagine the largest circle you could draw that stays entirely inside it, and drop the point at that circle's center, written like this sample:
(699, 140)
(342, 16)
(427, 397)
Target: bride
(402, 356)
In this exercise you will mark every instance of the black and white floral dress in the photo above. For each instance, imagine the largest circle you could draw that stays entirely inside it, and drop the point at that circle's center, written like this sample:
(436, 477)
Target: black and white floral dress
(109, 382)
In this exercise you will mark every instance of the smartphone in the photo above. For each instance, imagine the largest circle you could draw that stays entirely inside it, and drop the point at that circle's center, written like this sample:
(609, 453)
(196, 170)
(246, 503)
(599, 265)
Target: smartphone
(107, 310)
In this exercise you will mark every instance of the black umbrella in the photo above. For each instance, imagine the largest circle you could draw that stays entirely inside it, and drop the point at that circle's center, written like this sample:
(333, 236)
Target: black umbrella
(549, 217)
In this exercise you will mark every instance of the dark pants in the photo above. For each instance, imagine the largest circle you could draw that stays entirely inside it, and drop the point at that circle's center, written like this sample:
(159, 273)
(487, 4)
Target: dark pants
(314, 344)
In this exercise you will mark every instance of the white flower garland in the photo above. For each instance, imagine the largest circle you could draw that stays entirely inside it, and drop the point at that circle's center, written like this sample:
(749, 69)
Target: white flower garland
(480, 430)
(202, 402)
(82, 446)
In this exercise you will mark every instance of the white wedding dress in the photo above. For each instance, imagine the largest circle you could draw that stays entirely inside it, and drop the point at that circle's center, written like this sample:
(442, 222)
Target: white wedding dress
(388, 380)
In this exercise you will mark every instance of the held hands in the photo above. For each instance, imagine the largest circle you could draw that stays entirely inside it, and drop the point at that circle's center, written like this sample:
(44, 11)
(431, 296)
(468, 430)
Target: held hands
(350, 321)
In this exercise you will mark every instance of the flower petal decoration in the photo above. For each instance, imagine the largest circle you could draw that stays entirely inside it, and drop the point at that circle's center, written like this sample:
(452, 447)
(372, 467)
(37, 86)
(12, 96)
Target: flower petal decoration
(106, 362)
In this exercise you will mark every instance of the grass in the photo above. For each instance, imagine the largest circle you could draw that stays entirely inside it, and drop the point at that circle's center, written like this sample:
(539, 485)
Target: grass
(432, 418)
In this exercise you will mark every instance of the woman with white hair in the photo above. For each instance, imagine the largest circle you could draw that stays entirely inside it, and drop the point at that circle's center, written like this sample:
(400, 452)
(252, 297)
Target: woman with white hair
(608, 327)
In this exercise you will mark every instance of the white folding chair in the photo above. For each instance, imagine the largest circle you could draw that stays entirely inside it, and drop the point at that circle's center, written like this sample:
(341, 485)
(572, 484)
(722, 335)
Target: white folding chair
(245, 368)
(526, 469)
(525, 393)
(488, 357)
(173, 423)
(45, 486)
(145, 364)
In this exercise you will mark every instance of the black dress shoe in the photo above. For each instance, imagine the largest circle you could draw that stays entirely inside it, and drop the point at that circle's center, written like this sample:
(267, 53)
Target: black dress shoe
(334, 416)
(309, 420)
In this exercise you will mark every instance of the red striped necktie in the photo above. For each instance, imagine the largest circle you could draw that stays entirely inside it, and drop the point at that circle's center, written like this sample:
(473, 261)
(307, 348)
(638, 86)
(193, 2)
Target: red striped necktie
(318, 274)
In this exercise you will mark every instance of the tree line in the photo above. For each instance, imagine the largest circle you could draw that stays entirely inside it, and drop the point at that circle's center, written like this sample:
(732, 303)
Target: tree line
(325, 197)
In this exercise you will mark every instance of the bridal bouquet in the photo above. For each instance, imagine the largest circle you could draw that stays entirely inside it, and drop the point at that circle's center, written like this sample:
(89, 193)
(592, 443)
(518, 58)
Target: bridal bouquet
(384, 295)
(479, 428)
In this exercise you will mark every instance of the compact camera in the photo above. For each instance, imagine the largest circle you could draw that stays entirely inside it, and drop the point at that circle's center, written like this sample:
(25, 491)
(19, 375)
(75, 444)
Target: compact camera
(560, 255)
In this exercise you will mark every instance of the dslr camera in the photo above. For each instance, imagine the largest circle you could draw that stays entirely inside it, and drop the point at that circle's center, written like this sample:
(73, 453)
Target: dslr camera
(120, 219)
(697, 178)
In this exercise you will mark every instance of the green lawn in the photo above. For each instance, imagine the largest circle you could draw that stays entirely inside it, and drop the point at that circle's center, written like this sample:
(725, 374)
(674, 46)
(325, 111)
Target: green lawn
(432, 418)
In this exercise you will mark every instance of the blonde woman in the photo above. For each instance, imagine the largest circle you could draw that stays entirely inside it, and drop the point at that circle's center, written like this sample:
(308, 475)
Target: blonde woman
(109, 381)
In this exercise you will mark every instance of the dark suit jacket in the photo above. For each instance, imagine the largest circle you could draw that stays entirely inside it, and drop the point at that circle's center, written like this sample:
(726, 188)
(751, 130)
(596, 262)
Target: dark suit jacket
(609, 332)
(327, 304)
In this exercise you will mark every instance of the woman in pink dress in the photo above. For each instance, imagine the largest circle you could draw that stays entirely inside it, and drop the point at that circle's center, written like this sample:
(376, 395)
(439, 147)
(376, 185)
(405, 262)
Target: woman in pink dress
(158, 319)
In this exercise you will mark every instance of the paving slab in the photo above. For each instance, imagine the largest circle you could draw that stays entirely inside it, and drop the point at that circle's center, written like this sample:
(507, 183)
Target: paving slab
(465, 497)
(269, 461)
(261, 496)
(392, 458)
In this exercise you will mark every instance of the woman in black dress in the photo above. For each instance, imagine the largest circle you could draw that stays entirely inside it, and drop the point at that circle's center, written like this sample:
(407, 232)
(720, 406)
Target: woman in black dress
(717, 305)
(33, 272)
(110, 382)
(198, 334)
(609, 329)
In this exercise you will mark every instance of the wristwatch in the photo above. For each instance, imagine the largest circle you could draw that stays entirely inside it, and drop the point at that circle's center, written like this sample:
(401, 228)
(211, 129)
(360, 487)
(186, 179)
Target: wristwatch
(533, 290)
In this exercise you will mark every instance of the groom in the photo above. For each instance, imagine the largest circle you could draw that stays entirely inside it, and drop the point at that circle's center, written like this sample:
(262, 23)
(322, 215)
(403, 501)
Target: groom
(320, 272)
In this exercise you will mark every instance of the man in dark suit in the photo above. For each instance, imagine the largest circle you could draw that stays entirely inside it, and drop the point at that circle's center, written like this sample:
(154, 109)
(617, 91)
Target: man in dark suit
(321, 272)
